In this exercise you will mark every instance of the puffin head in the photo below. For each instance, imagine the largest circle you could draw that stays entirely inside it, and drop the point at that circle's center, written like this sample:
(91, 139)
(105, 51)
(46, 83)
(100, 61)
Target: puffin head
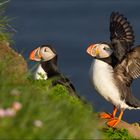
(44, 52)
(99, 50)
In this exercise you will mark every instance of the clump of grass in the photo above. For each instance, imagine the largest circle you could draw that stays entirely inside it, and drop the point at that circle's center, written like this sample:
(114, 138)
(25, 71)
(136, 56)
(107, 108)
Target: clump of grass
(5, 28)
(113, 133)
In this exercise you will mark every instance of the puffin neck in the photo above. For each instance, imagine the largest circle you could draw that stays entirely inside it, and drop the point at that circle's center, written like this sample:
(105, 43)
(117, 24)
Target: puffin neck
(50, 67)
(111, 60)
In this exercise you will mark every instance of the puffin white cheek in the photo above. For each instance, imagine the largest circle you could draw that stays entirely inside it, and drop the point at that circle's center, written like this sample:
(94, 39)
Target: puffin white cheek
(47, 56)
(44, 55)
(104, 54)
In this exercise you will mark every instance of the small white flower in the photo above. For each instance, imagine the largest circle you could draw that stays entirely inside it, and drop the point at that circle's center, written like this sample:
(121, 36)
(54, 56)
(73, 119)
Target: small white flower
(15, 92)
(38, 123)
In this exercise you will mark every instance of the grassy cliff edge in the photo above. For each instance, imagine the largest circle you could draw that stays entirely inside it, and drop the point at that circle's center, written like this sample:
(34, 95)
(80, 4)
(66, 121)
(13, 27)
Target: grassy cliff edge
(34, 109)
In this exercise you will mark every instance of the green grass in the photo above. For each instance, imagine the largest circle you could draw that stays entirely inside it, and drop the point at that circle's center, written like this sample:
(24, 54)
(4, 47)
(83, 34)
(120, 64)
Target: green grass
(58, 114)
(6, 31)
(112, 133)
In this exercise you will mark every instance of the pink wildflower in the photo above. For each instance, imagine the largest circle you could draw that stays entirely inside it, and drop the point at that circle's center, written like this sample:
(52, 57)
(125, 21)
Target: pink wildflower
(16, 106)
(2, 113)
(10, 112)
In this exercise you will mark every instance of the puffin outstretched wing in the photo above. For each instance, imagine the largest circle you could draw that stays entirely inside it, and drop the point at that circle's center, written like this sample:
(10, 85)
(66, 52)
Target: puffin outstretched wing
(126, 71)
(132, 63)
(121, 35)
(129, 67)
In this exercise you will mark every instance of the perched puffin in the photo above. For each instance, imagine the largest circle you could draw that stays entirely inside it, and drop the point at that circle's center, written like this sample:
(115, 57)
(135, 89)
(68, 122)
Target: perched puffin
(115, 66)
(47, 68)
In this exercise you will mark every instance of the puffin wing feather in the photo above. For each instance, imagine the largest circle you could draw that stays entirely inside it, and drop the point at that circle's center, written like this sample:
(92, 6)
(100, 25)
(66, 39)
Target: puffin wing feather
(121, 35)
(126, 71)
(133, 63)
(129, 68)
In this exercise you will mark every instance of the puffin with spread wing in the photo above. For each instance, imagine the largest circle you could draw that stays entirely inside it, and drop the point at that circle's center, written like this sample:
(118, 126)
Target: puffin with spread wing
(115, 66)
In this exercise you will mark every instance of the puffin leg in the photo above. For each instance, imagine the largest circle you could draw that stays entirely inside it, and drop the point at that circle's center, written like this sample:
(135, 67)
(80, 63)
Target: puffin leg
(114, 121)
(108, 116)
(114, 112)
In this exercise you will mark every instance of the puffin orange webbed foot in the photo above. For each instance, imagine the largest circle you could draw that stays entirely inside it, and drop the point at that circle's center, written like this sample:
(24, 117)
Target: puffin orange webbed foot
(113, 122)
(105, 115)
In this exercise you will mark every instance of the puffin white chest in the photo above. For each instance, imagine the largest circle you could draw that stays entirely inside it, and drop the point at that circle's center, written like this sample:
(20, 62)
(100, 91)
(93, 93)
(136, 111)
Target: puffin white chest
(101, 75)
(40, 74)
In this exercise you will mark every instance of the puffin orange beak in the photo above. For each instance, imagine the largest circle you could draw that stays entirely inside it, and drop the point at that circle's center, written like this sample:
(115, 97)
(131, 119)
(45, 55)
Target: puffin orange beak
(35, 55)
(93, 50)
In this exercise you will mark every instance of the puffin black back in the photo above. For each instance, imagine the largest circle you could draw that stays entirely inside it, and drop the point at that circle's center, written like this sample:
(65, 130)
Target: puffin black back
(50, 67)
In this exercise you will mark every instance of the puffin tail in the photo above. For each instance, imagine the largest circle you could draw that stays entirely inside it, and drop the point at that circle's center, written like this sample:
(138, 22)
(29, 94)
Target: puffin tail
(133, 103)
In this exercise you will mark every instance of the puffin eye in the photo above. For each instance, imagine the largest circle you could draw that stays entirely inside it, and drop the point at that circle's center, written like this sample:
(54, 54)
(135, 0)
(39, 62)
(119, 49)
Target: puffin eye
(45, 50)
(106, 49)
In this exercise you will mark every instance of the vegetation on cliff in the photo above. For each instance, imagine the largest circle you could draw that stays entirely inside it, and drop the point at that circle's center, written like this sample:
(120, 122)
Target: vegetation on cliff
(44, 112)
(5, 29)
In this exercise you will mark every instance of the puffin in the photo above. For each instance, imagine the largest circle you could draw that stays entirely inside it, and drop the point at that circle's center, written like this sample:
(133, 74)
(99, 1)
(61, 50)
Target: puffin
(48, 69)
(115, 66)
